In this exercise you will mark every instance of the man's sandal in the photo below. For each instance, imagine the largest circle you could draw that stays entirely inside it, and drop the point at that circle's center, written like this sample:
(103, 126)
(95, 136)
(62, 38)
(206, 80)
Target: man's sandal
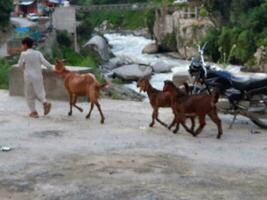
(34, 115)
(47, 108)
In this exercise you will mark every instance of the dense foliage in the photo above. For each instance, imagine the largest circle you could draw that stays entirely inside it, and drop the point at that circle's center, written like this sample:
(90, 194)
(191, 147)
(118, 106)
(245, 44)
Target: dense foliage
(128, 19)
(5, 10)
(241, 27)
(63, 38)
(87, 2)
(117, 1)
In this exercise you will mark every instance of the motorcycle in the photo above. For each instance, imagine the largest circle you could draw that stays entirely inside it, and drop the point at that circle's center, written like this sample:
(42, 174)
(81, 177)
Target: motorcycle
(246, 96)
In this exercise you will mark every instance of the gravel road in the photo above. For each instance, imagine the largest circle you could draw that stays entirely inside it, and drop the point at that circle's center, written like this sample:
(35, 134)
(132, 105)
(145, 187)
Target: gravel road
(71, 158)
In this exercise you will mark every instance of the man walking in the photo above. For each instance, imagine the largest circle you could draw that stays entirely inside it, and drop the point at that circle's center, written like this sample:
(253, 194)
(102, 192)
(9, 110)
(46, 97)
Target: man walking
(31, 61)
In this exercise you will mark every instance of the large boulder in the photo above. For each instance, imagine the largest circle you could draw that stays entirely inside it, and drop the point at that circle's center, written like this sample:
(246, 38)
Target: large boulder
(261, 59)
(151, 48)
(104, 27)
(173, 32)
(99, 45)
(120, 92)
(132, 72)
(180, 77)
(161, 67)
(115, 62)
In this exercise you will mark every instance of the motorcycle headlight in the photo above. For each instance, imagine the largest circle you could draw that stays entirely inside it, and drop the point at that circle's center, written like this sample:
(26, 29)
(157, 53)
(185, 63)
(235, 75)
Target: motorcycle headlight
(194, 69)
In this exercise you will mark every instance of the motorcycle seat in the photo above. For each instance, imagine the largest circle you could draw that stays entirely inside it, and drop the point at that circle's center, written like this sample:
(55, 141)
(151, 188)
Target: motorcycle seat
(248, 83)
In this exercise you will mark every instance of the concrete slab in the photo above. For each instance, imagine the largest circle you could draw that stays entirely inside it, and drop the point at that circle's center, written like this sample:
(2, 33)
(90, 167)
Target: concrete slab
(54, 85)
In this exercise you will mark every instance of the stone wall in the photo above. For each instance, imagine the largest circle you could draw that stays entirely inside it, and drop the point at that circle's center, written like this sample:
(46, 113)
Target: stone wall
(54, 85)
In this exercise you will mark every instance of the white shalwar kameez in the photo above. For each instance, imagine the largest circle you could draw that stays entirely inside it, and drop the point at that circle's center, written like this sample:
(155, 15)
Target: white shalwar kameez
(31, 61)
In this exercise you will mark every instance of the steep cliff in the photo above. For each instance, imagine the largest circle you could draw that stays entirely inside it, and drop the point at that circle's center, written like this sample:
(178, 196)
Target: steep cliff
(180, 31)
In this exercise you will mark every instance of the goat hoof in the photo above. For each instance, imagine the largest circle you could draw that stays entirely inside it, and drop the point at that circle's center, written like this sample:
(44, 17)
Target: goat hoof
(81, 110)
(87, 117)
(70, 113)
(151, 125)
(174, 132)
(102, 122)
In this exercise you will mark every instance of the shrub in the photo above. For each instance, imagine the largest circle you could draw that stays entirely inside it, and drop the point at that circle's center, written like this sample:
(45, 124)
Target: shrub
(4, 73)
(170, 41)
(150, 18)
(84, 31)
(212, 49)
(245, 46)
(203, 12)
(63, 38)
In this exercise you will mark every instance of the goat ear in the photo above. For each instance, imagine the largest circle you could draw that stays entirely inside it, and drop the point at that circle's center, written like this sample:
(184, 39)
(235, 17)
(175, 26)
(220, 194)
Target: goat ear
(60, 60)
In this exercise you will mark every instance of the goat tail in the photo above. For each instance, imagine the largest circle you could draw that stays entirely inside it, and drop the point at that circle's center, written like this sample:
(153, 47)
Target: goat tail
(187, 88)
(215, 97)
(103, 85)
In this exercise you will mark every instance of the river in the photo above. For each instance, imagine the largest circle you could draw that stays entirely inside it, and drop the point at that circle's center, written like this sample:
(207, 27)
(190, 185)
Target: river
(131, 47)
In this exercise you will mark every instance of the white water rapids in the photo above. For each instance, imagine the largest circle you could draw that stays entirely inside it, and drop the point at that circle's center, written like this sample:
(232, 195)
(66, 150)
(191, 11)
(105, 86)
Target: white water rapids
(131, 47)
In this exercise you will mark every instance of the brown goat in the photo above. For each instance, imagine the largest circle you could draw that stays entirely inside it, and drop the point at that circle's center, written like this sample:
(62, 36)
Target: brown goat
(181, 92)
(81, 85)
(194, 106)
(159, 99)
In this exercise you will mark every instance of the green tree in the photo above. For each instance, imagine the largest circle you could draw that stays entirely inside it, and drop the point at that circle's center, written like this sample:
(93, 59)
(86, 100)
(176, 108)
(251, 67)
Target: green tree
(218, 10)
(241, 27)
(245, 46)
(5, 9)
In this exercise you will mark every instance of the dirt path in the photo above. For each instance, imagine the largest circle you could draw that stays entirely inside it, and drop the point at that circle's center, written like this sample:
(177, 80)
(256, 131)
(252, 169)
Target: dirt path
(70, 158)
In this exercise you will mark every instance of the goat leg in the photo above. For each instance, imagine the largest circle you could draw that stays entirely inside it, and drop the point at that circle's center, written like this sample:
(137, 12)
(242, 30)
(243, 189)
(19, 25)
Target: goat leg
(214, 117)
(70, 102)
(172, 124)
(101, 113)
(153, 118)
(193, 124)
(91, 109)
(162, 123)
(74, 100)
(187, 129)
(177, 128)
(181, 118)
(202, 124)
(158, 120)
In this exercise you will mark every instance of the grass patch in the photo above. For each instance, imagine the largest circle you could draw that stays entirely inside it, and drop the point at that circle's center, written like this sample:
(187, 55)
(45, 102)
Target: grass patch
(4, 73)
(85, 58)
(170, 41)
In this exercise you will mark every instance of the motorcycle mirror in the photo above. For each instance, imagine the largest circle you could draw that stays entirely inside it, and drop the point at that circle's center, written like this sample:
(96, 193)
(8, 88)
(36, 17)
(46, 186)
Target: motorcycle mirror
(199, 49)
(204, 46)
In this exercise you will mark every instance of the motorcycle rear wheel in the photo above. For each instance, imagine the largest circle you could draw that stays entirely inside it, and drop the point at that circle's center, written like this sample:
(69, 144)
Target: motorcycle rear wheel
(256, 120)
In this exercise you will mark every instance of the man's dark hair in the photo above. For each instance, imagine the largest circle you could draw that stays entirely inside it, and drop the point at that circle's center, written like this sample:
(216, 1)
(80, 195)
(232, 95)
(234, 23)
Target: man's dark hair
(27, 41)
